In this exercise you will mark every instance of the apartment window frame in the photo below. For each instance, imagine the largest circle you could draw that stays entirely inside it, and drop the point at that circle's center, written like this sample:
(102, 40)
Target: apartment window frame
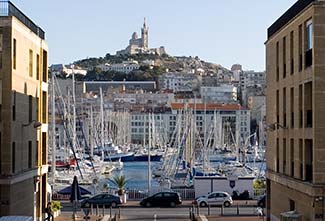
(300, 46)
(284, 106)
(292, 159)
(14, 53)
(13, 157)
(30, 108)
(292, 52)
(284, 156)
(38, 66)
(277, 165)
(292, 105)
(30, 154)
(277, 61)
(284, 56)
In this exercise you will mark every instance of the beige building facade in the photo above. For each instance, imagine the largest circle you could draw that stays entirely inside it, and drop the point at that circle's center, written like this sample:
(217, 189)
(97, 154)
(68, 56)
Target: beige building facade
(295, 65)
(24, 115)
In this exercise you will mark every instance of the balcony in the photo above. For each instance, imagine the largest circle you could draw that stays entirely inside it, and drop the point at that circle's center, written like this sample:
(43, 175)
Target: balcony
(8, 9)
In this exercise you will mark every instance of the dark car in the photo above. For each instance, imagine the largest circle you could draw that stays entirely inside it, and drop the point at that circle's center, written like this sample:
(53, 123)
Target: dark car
(162, 199)
(261, 201)
(104, 199)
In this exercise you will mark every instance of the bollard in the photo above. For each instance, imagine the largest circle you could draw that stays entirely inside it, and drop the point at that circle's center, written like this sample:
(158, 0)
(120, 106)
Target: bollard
(119, 212)
(91, 209)
(198, 210)
(97, 208)
(110, 213)
(190, 213)
(103, 211)
(237, 209)
(209, 210)
(221, 210)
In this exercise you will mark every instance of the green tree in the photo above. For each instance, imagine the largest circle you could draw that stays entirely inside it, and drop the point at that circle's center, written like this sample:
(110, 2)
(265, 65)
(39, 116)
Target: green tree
(120, 182)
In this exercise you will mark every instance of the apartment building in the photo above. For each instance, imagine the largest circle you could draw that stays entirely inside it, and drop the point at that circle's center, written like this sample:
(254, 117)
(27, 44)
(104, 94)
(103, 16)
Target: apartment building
(295, 65)
(23, 122)
(232, 120)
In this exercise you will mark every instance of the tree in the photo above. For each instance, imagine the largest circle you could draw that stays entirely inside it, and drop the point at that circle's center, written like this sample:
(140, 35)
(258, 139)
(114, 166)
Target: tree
(120, 182)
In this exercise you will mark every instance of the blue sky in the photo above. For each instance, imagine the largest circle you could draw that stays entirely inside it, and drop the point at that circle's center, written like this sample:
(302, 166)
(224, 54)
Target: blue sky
(220, 31)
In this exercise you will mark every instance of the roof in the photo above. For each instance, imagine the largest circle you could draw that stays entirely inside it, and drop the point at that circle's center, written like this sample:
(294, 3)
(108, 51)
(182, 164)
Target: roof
(209, 106)
(292, 12)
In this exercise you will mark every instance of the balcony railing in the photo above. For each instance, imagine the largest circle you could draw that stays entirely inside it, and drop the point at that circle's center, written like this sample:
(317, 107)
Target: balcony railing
(8, 9)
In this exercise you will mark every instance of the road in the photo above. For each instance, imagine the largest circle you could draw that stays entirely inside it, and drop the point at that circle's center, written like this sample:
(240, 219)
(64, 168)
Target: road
(180, 213)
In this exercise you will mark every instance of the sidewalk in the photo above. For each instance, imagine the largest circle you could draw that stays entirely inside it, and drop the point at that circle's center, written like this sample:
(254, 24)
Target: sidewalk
(230, 218)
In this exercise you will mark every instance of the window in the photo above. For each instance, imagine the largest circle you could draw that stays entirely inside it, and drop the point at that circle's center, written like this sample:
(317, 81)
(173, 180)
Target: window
(44, 110)
(292, 159)
(284, 155)
(30, 108)
(37, 67)
(292, 116)
(30, 160)
(284, 107)
(30, 68)
(284, 54)
(14, 106)
(13, 157)
(309, 44)
(300, 159)
(277, 107)
(44, 149)
(292, 205)
(44, 66)
(309, 35)
(277, 166)
(277, 61)
(300, 47)
(291, 53)
(14, 53)
(300, 106)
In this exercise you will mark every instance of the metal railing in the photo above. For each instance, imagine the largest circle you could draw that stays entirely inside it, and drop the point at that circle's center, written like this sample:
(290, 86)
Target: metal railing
(9, 9)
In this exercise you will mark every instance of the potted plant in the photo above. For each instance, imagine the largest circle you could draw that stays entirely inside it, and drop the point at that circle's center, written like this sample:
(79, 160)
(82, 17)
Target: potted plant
(56, 207)
(120, 182)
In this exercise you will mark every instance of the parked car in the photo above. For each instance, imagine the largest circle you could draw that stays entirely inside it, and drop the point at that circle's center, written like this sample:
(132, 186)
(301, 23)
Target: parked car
(104, 199)
(261, 201)
(162, 199)
(214, 199)
(241, 196)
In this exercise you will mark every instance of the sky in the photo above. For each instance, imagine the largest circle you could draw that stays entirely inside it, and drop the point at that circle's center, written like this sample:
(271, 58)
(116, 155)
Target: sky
(224, 32)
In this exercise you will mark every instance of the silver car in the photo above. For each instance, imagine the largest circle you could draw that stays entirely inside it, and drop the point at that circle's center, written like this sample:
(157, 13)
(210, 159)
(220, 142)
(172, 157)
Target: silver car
(218, 198)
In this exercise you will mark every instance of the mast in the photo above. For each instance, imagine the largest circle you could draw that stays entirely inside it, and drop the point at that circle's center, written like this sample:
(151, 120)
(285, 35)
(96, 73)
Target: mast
(149, 164)
(53, 132)
(74, 140)
(102, 121)
(91, 132)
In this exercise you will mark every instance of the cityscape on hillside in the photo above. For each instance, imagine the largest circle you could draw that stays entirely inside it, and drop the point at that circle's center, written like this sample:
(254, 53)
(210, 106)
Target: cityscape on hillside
(141, 134)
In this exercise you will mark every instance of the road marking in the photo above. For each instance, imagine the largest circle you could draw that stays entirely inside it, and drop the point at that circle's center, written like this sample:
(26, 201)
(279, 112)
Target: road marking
(203, 218)
(155, 217)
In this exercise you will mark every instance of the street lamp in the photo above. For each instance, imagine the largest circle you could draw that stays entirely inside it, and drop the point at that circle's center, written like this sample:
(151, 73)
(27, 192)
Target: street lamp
(36, 124)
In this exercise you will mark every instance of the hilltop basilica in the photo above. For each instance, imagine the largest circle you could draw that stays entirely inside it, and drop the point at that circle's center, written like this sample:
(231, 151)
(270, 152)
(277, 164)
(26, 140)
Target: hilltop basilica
(140, 45)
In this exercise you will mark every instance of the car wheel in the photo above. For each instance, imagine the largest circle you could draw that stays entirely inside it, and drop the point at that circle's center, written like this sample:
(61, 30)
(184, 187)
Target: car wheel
(203, 204)
(148, 204)
(114, 204)
(172, 204)
(226, 204)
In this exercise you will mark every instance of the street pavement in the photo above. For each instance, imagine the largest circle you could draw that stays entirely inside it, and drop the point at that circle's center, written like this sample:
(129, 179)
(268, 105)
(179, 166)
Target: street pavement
(132, 211)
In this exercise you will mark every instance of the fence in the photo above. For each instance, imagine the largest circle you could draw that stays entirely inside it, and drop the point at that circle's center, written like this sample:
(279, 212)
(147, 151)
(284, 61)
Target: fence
(134, 194)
